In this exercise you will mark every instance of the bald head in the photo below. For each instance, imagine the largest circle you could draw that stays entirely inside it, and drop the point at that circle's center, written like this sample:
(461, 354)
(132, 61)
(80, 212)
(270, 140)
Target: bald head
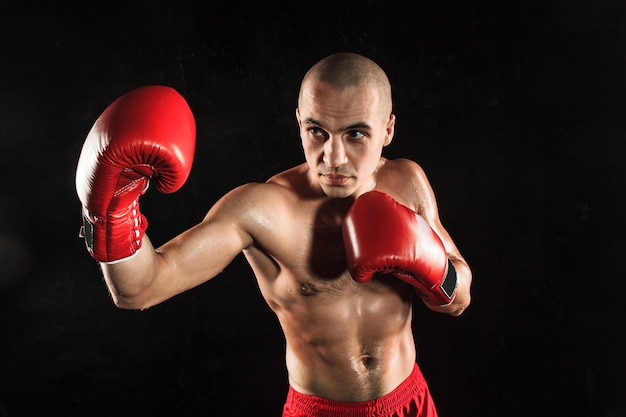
(345, 70)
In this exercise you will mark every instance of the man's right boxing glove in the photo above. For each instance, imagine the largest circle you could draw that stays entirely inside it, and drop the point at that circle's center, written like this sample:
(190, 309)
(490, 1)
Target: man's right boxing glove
(149, 132)
(383, 236)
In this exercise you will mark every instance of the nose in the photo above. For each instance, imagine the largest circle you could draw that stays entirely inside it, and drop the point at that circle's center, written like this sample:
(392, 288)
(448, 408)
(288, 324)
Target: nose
(334, 152)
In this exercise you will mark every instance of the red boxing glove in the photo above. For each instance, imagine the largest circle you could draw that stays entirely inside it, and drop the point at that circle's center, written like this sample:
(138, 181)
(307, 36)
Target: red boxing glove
(381, 235)
(148, 132)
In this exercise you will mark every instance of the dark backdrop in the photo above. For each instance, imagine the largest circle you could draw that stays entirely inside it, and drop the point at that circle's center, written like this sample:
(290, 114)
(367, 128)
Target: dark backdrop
(514, 108)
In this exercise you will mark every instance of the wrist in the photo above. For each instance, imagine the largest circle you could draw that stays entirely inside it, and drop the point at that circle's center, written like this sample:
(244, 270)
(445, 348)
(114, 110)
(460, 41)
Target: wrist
(116, 236)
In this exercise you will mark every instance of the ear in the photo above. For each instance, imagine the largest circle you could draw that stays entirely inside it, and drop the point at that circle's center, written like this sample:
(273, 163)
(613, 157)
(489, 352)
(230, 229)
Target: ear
(390, 129)
(298, 117)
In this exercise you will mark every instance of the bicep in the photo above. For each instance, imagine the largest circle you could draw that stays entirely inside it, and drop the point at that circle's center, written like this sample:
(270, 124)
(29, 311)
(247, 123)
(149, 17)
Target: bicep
(426, 206)
(204, 251)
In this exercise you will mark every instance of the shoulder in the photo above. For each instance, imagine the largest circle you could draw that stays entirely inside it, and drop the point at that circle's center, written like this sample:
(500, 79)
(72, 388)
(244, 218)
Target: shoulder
(407, 181)
(252, 202)
(253, 196)
(401, 165)
(248, 211)
(402, 175)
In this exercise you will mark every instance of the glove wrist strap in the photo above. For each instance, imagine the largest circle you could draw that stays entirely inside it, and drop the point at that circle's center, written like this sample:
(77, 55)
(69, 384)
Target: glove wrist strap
(115, 238)
(450, 281)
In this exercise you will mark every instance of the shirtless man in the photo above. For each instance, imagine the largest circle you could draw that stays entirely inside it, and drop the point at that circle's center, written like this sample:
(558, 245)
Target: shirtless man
(338, 244)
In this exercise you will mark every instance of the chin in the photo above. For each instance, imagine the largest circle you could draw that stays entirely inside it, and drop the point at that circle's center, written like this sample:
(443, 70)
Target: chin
(337, 192)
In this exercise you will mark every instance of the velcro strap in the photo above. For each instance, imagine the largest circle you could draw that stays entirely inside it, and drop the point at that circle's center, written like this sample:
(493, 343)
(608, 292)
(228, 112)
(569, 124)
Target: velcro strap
(448, 286)
(87, 232)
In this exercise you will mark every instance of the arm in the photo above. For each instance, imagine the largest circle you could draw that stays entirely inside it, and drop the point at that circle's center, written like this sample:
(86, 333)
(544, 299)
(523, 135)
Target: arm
(385, 236)
(427, 208)
(148, 135)
(188, 260)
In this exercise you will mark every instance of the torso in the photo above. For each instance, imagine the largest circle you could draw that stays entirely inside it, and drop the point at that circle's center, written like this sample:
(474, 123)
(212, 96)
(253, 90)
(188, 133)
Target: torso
(345, 341)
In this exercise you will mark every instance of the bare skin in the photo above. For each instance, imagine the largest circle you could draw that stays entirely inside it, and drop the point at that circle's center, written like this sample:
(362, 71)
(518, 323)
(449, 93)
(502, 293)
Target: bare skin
(344, 341)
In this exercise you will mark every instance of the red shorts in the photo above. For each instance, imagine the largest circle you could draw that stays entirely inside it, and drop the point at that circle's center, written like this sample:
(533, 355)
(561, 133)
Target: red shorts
(410, 399)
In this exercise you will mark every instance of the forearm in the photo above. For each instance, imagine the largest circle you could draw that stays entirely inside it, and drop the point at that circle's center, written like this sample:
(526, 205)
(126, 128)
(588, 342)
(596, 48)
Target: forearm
(152, 275)
(130, 281)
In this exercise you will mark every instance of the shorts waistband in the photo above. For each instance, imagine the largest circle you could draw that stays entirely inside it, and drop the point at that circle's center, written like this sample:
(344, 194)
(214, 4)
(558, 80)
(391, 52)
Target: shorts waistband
(310, 405)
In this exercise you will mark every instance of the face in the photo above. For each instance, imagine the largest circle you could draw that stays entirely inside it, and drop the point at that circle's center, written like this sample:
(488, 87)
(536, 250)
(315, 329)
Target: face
(343, 134)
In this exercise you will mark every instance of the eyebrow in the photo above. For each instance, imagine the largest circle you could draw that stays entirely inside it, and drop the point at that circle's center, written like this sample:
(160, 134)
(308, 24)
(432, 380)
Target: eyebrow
(357, 125)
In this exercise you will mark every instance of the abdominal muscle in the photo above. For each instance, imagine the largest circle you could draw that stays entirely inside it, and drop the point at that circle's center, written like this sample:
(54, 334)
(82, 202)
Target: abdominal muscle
(353, 346)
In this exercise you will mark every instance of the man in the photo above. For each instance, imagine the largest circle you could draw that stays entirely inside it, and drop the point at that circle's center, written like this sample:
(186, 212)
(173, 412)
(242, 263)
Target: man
(338, 244)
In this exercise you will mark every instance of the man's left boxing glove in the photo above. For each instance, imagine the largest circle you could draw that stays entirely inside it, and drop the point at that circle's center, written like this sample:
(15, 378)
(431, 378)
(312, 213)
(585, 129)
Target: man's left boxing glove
(383, 236)
(149, 132)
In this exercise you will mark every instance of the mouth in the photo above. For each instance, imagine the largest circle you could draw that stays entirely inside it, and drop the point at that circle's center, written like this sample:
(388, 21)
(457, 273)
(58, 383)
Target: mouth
(335, 179)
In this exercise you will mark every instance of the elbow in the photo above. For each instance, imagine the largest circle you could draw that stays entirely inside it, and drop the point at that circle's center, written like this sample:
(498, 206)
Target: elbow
(459, 306)
(128, 297)
(127, 302)
(124, 304)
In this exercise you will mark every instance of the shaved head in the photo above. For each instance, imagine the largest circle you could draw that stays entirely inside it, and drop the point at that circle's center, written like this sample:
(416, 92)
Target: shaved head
(345, 70)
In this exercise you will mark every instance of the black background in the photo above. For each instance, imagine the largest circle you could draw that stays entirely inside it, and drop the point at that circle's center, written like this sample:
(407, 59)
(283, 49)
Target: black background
(514, 108)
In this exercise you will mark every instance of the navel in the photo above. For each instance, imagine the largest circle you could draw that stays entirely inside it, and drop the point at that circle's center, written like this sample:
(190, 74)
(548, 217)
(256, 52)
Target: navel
(366, 361)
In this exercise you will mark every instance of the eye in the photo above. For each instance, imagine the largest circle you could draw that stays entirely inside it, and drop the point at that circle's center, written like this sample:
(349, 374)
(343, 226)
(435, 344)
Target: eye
(317, 132)
(356, 135)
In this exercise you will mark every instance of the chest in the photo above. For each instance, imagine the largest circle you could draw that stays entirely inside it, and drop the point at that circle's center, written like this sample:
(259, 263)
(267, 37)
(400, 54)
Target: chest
(323, 254)
(305, 252)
